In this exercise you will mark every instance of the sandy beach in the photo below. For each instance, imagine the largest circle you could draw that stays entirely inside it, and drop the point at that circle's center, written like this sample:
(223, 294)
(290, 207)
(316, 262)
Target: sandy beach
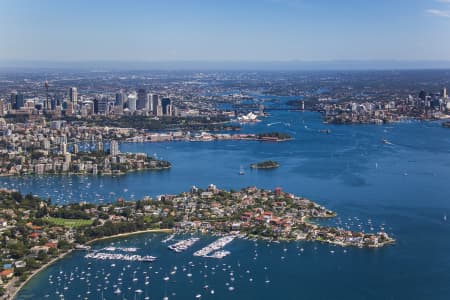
(12, 291)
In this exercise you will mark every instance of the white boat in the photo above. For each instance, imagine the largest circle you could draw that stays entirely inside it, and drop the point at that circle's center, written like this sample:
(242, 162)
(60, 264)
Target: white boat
(241, 171)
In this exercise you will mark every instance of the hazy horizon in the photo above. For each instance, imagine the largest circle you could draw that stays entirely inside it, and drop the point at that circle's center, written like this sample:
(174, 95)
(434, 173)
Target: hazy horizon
(234, 31)
(294, 65)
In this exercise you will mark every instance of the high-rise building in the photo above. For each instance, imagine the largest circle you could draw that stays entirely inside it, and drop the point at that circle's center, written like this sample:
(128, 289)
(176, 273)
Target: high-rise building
(156, 102)
(121, 98)
(17, 100)
(141, 99)
(159, 111)
(2, 108)
(47, 103)
(132, 102)
(96, 106)
(13, 98)
(444, 93)
(148, 103)
(166, 103)
(114, 148)
(73, 96)
(119, 103)
(101, 105)
(68, 108)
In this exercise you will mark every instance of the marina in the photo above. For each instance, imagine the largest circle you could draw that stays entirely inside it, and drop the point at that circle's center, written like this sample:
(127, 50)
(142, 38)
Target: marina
(183, 245)
(213, 250)
(119, 256)
(123, 249)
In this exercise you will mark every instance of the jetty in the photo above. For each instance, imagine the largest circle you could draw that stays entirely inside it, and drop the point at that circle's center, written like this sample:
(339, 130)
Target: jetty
(183, 245)
(119, 256)
(214, 250)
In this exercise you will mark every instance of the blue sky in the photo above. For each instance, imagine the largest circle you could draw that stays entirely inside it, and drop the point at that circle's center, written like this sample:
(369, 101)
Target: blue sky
(227, 30)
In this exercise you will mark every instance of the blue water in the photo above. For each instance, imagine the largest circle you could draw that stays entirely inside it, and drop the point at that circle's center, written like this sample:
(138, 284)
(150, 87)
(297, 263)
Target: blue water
(402, 187)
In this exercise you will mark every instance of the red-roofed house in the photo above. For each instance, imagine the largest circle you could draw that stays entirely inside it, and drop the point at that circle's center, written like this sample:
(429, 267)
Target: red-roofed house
(8, 273)
(51, 245)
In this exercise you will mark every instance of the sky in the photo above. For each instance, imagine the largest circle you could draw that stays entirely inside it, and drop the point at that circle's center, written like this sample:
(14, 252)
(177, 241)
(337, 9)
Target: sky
(226, 30)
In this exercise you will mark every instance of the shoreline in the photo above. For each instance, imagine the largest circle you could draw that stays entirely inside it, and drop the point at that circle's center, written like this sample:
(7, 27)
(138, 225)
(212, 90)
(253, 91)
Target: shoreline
(125, 234)
(88, 174)
(16, 290)
(35, 272)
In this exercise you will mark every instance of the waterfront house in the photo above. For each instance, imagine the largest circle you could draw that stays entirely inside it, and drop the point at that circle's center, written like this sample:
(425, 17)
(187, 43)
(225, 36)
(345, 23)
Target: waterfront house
(36, 249)
(20, 264)
(7, 274)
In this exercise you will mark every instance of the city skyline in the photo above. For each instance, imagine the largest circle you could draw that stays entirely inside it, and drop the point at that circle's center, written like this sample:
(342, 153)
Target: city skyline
(281, 31)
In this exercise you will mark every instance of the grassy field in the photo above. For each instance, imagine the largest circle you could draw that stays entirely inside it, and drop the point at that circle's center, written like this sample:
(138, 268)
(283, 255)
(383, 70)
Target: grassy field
(69, 222)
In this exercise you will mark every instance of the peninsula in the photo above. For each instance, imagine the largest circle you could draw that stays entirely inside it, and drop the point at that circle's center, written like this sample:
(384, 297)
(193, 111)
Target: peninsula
(62, 161)
(36, 231)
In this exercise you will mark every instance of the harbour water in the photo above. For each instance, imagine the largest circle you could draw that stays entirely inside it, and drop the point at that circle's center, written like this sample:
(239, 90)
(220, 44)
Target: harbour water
(401, 186)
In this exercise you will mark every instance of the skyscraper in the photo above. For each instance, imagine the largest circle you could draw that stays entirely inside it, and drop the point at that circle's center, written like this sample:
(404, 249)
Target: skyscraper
(17, 100)
(132, 102)
(165, 102)
(47, 104)
(120, 101)
(148, 103)
(444, 93)
(73, 96)
(12, 99)
(156, 102)
(101, 105)
(2, 107)
(141, 99)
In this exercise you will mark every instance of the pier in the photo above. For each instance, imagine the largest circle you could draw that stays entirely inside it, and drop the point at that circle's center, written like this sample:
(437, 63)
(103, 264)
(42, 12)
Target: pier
(118, 256)
(183, 245)
(213, 250)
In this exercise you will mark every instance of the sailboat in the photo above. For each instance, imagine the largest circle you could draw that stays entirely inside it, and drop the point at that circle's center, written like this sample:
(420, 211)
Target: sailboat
(241, 171)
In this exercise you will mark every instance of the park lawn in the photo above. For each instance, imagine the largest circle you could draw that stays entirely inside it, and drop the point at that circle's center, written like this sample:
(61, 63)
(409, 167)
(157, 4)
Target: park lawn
(69, 222)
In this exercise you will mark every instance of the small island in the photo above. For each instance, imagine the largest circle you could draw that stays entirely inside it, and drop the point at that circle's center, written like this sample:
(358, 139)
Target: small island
(268, 164)
(274, 136)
